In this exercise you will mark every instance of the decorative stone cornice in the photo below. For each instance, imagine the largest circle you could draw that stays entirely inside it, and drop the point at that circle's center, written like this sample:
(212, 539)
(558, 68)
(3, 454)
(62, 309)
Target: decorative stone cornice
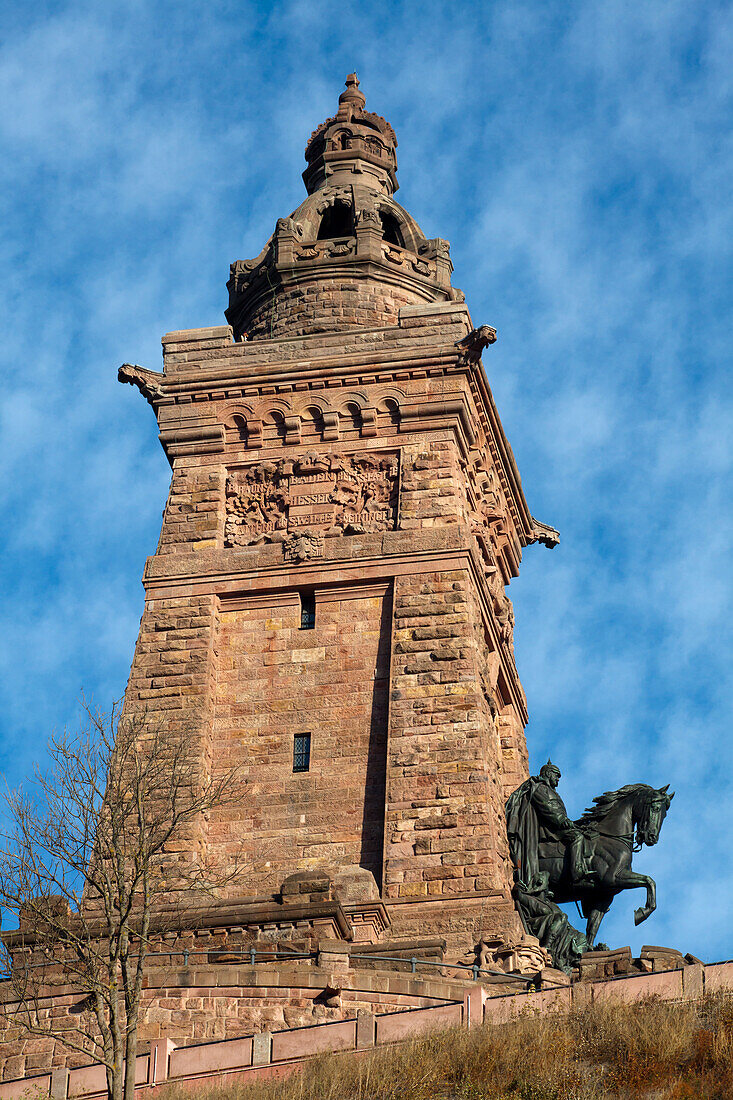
(205, 438)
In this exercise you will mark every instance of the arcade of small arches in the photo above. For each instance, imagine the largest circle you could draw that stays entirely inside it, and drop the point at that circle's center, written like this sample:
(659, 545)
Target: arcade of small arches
(316, 420)
(347, 139)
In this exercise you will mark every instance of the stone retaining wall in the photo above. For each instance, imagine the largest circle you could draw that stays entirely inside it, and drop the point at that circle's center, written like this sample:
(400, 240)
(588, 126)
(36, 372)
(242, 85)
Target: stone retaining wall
(200, 1004)
(267, 1054)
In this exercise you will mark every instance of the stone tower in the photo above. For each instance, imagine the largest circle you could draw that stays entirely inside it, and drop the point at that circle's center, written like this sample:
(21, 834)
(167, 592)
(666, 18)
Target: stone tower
(326, 608)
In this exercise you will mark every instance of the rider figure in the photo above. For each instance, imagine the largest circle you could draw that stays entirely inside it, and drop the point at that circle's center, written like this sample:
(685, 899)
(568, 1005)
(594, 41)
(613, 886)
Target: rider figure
(553, 815)
(534, 807)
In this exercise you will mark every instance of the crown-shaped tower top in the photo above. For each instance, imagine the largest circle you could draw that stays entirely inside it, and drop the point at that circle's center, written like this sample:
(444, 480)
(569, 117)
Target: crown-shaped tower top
(354, 140)
(350, 256)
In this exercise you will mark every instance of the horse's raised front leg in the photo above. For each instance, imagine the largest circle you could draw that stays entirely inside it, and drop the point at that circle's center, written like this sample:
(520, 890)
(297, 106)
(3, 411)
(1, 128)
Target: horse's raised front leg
(630, 880)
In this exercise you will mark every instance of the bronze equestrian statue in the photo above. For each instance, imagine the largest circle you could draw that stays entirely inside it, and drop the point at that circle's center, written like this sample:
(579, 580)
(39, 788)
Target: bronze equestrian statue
(587, 861)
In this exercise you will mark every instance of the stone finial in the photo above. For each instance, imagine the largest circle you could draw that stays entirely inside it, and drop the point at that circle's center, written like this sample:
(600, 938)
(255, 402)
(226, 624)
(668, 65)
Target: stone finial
(352, 93)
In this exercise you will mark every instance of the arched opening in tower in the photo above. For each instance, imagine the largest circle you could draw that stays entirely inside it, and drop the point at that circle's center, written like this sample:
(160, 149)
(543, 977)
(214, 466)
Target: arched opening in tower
(337, 221)
(391, 229)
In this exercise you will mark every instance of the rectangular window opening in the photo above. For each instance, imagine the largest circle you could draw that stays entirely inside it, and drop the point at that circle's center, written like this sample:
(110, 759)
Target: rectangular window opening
(301, 752)
(307, 610)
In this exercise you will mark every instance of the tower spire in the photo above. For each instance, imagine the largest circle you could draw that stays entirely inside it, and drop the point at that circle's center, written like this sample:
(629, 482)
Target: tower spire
(352, 93)
(348, 237)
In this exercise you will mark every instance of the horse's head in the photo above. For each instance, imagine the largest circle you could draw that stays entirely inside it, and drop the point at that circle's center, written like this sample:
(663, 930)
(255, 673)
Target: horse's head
(650, 811)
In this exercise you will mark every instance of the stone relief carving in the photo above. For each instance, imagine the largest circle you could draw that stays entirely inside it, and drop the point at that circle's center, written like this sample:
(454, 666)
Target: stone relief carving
(288, 225)
(242, 272)
(302, 547)
(488, 688)
(504, 611)
(368, 215)
(489, 515)
(503, 608)
(334, 194)
(299, 501)
(518, 956)
(435, 248)
(394, 255)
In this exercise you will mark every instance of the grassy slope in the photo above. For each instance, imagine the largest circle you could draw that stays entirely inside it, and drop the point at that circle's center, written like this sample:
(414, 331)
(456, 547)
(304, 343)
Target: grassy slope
(664, 1051)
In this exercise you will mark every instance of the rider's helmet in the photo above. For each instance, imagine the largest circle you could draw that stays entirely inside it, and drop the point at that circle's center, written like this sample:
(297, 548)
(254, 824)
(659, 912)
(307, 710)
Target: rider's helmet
(549, 770)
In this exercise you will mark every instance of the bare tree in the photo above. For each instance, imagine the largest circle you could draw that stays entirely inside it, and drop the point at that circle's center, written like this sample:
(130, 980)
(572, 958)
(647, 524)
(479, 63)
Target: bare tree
(90, 859)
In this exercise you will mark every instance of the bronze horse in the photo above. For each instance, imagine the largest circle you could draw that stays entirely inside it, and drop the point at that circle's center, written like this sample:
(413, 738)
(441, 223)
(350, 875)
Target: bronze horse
(616, 826)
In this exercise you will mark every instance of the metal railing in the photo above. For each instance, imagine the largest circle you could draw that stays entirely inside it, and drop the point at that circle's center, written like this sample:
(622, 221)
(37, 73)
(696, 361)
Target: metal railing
(253, 956)
(475, 969)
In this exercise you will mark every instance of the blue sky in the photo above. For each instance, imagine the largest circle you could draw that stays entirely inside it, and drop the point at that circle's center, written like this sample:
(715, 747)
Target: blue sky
(578, 157)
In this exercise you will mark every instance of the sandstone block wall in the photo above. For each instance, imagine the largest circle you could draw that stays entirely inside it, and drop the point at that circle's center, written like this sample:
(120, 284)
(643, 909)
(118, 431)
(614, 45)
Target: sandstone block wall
(276, 680)
(407, 683)
(441, 836)
(193, 514)
(328, 305)
(215, 1003)
(173, 671)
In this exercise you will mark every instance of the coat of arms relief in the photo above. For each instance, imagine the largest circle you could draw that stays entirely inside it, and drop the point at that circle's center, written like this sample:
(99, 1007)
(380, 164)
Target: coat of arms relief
(299, 501)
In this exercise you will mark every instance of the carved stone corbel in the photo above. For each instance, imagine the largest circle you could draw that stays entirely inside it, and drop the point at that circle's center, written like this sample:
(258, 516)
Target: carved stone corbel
(368, 422)
(149, 382)
(330, 426)
(544, 534)
(292, 429)
(254, 433)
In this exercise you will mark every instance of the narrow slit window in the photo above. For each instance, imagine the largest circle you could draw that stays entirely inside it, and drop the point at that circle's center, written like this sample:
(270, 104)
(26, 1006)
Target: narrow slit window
(307, 610)
(302, 752)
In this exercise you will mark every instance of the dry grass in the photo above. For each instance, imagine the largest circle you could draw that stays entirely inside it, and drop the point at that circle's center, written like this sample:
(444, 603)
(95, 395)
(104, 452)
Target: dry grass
(652, 1050)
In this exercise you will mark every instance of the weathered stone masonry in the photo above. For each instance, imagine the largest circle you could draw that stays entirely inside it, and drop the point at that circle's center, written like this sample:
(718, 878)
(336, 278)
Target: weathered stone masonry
(355, 460)
(344, 517)
(433, 639)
